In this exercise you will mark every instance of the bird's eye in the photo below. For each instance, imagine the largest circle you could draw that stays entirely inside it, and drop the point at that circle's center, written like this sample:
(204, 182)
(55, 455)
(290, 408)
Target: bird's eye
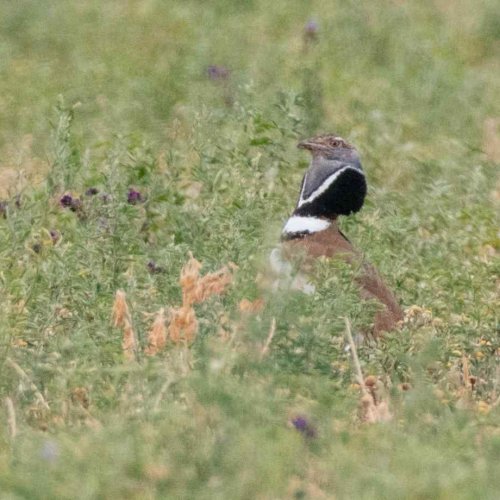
(335, 144)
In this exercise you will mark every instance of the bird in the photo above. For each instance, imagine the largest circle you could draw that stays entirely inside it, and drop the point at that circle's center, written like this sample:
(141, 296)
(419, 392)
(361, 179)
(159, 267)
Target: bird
(334, 185)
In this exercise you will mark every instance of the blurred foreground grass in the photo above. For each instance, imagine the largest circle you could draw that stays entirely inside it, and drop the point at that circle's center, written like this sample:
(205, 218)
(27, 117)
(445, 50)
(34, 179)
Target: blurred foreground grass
(210, 152)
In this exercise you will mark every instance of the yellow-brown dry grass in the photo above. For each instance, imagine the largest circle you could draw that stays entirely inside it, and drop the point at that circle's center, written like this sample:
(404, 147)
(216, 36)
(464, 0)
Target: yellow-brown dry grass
(182, 325)
(157, 336)
(123, 319)
(372, 408)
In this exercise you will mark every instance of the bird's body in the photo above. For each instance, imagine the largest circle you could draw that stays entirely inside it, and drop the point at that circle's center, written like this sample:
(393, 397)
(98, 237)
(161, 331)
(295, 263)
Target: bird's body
(333, 185)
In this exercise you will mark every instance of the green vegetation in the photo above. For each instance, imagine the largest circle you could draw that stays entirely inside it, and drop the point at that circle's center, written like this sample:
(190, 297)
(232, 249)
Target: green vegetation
(119, 96)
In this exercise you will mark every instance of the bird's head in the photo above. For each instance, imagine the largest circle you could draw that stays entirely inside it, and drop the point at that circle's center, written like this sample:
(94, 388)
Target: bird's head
(335, 182)
(330, 146)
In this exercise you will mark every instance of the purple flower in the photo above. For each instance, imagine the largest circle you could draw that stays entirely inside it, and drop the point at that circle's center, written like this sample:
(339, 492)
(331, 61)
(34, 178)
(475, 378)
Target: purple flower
(215, 72)
(154, 268)
(134, 197)
(311, 30)
(49, 451)
(91, 191)
(54, 236)
(66, 201)
(74, 204)
(304, 426)
(312, 26)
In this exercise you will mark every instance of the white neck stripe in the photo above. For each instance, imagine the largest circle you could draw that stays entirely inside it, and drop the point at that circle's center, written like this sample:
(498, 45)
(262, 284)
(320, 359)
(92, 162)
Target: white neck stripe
(298, 224)
(325, 185)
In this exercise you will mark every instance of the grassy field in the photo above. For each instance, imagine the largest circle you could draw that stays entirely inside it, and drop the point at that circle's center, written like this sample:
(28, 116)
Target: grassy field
(134, 133)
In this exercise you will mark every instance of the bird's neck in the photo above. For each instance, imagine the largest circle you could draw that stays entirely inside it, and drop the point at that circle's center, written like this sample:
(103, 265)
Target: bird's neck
(298, 226)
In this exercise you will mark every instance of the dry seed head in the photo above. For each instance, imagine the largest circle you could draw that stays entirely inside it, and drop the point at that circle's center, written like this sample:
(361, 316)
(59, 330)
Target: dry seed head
(417, 316)
(368, 409)
(383, 413)
(247, 306)
(196, 289)
(213, 284)
(189, 280)
(183, 325)
(157, 337)
(367, 401)
(129, 342)
(123, 319)
(120, 309)
(372, 413)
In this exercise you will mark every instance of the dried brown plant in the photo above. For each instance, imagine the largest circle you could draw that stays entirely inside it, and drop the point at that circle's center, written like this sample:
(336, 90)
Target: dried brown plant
(123, 319)
(120, 309)
(418, 316)
(157, 337)
(196, 288)
(24, 376)
(129, 343)
(251, 307)
(466, 385)
(190, 275)
(270, 336)
(372, 413)
(373, 409)
(213, 284)
(183, 324)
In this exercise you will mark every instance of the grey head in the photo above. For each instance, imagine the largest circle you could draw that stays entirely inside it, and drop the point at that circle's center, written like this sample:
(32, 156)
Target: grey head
(334, 183)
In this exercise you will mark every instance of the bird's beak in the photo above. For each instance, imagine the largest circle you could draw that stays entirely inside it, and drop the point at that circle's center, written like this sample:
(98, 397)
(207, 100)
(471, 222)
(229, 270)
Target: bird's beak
(307, 144)
(312, 145)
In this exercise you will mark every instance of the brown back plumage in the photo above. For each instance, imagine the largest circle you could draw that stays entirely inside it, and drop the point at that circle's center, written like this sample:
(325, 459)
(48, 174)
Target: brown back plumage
(331, 243)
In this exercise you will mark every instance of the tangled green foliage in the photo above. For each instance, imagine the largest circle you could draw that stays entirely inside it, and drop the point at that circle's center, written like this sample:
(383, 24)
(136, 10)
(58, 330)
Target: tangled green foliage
(212, 160)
